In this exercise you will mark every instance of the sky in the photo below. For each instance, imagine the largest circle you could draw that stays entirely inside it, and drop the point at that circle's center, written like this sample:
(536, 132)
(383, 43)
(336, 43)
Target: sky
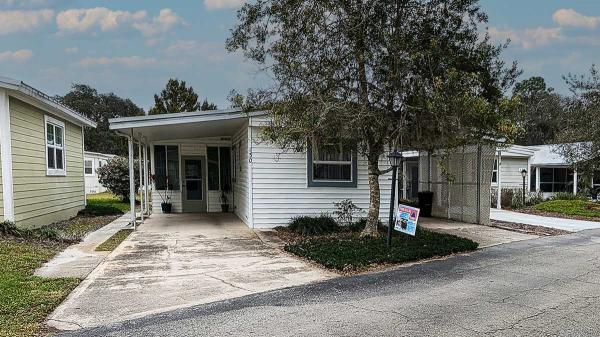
(132, 47)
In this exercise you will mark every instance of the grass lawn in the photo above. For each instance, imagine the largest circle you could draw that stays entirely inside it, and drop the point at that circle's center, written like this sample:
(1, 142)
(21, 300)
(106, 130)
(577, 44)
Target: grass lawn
(101, 210)
(581, 208)
(350, 252)
(105, 204)
(26, 300)
(114, 240)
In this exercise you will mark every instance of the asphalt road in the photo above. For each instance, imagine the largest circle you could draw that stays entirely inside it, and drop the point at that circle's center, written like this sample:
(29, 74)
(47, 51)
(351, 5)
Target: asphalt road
(541, 287)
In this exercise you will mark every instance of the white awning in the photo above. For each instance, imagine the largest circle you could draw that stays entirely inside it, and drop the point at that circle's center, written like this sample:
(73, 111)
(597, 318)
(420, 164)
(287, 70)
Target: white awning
(184, 125)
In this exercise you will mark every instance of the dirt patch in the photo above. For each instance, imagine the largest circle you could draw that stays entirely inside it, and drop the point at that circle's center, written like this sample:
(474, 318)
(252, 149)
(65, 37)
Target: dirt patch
(528, 229)
(76, 228)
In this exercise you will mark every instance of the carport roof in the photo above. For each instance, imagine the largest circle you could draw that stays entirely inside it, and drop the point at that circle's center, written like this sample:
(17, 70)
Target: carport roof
(184, 125)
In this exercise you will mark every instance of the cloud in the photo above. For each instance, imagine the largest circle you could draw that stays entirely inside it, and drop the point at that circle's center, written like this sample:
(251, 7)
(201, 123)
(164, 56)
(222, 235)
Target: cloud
(83, 20)
(72, 50)
(165, 21)
(20, 56)
(185, 51)
(126, 61)
(23, 3)
(571, 18)
(527, 38)
(104, 19)
(17, 21)
(223, 4)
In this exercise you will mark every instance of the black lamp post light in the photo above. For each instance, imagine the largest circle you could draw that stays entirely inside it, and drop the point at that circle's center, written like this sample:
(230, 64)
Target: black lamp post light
(395, 159)
(524, 175)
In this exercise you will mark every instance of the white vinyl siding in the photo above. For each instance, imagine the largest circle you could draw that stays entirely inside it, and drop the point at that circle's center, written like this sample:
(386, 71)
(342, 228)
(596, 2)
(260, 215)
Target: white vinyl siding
(240, 167)
(510, 176)
(280, 189)
(187, 147)
(1, 194)
(41, 199)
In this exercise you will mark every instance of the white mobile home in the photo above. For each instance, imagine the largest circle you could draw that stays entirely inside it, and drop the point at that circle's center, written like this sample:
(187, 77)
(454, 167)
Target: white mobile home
(214, 161)
(546, 170)
(92, 161)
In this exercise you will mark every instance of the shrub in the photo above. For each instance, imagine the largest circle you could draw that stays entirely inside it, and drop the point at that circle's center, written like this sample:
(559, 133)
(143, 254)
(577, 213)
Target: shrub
(534, 198)
(115, 177)
(9, 228)
(346, 211)
(409, 202)
(567, 196)
(47, 233)
(506, 197)
(310, 225)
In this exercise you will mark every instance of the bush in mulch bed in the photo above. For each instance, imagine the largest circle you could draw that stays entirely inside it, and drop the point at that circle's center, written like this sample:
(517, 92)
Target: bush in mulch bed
(351, 252)
(311, 225)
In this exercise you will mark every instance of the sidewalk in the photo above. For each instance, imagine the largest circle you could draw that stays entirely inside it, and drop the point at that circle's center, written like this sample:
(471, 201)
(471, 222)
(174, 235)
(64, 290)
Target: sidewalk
(80, 259)
(571, 225)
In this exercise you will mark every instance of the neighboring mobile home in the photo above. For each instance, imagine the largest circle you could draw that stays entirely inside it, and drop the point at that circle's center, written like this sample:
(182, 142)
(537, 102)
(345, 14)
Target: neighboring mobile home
(92, 161)
(41, 155)
(547, 171)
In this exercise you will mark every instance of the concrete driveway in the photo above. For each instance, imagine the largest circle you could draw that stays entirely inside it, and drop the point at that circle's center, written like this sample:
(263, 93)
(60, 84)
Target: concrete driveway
(176, 261)
(540, 287)
(571, 225)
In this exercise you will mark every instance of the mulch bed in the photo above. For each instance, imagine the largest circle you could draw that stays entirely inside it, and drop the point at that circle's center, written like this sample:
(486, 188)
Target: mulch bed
(530, 210)
(528, 229)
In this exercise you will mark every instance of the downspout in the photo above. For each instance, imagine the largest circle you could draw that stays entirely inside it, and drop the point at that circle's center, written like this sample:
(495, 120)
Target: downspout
(142, 201)
(131, 180)
(499, 182)
(146, 181)
(478, 184)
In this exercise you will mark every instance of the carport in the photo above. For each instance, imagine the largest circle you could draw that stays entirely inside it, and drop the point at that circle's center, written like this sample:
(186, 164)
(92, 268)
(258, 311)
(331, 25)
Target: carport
(188, 139)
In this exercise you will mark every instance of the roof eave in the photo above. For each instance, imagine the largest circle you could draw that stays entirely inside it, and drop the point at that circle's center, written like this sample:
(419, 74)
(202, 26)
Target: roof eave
(124, 123)
(26, 91)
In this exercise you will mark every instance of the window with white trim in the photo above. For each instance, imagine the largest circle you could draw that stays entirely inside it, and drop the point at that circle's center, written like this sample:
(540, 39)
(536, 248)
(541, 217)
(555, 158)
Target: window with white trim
(55, 147)
(88, 167)
(495, 171)
(331, 165)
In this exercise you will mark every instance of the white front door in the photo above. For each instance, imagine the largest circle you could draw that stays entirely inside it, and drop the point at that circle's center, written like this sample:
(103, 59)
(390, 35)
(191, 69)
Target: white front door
(194, 185)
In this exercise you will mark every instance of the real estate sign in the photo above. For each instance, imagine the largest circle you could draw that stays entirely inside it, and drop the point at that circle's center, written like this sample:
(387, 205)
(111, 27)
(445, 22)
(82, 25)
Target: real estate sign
(406, 219)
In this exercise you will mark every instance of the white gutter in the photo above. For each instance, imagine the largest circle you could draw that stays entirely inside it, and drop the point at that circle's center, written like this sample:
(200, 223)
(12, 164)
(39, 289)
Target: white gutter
(178, 118)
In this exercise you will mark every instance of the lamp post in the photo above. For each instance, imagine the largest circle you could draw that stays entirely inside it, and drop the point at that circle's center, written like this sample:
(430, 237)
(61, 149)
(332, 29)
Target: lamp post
(524, 175)
(395, 159)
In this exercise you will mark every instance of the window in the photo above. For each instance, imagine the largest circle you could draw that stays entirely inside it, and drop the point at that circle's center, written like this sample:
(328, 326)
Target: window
(212, 156)
(219, 168)
(331, 165)
(166, 167)
(532, 179)
(225, 168)
(234, 160)
(88, 167)
(495, 171)
(556, 179)
(55, 147)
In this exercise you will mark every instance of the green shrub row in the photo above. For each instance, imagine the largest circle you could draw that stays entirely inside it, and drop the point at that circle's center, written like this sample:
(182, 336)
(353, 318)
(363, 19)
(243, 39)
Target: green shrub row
(9, 228)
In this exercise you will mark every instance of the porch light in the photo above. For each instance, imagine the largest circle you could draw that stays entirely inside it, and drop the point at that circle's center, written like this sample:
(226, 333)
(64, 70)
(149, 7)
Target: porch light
(395, 158)
(524, 175)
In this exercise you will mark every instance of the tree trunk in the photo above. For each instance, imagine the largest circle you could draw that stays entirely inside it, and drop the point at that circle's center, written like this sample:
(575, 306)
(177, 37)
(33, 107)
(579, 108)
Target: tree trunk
(374, 198)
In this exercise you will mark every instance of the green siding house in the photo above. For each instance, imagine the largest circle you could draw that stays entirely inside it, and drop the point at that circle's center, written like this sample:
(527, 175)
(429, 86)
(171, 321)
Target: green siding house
(41, 156)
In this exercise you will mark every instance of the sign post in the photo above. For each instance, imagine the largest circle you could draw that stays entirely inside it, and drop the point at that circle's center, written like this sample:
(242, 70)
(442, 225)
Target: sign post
(406, 219)
(392, 202)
